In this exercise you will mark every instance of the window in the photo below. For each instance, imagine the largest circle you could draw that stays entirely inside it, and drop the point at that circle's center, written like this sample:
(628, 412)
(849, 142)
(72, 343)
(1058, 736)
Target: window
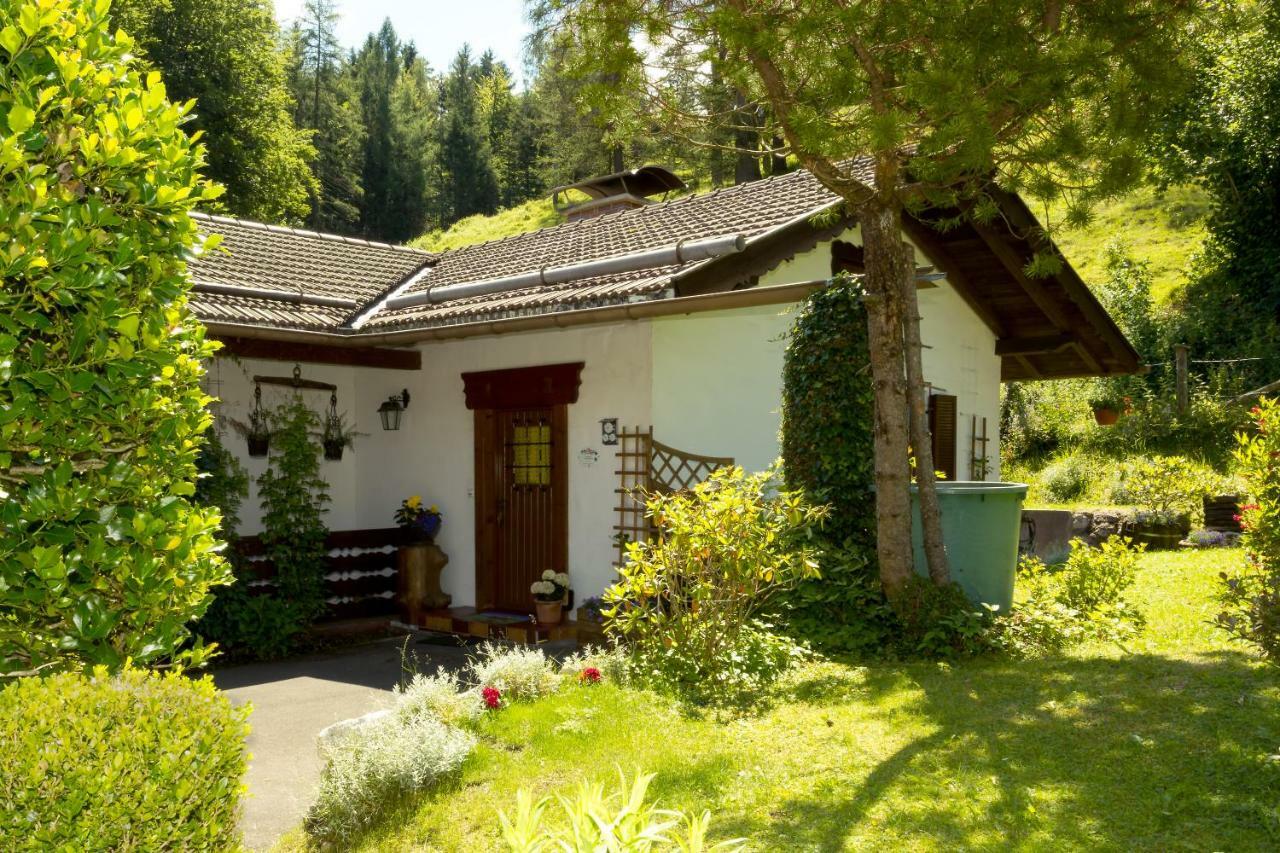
(531, 454)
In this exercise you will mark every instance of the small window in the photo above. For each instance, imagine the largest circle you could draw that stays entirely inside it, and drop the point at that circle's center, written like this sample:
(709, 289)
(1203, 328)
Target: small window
(531, 455)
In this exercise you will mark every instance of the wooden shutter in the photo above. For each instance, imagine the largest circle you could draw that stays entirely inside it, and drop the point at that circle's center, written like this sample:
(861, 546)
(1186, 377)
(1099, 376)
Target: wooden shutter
(942, 427)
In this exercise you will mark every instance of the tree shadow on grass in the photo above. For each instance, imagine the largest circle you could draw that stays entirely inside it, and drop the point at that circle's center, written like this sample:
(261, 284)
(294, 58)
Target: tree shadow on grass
(1139, 752)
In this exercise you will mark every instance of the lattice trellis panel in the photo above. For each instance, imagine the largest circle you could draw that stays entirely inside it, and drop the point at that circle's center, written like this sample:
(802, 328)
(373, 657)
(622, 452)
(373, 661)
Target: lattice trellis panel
(647, 465)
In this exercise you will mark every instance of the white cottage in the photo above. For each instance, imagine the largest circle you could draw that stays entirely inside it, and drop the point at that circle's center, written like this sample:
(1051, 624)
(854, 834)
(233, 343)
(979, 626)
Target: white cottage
(520, 356)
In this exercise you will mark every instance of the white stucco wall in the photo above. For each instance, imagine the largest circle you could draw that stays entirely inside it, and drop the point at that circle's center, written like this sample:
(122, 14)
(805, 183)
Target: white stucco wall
(230, 380)
(709, 383)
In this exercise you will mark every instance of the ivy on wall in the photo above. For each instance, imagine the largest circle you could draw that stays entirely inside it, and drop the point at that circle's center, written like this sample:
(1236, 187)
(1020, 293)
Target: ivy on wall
(828, 453)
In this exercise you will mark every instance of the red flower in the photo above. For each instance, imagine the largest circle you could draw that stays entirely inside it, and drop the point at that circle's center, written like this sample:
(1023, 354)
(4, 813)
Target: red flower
(492, 698)
(590, 675)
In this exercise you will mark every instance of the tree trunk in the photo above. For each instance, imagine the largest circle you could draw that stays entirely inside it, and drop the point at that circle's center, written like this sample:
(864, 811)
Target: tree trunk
(887, 264)
(921, 441)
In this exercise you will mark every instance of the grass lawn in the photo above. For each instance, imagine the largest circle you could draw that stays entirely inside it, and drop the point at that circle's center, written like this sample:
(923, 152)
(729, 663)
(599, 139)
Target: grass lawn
(1169, 744)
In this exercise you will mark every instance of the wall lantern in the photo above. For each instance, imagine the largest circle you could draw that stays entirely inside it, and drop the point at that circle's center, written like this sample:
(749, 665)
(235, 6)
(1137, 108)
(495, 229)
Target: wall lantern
(390, 410)
(609, 431)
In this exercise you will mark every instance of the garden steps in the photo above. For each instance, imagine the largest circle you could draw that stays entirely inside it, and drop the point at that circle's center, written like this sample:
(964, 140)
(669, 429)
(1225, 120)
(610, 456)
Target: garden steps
(526, 629)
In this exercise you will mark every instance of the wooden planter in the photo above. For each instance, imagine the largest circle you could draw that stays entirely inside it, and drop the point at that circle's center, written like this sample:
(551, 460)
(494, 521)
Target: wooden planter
(1105, 416)
(1222, 512)
(1160, 535)
(418, 568)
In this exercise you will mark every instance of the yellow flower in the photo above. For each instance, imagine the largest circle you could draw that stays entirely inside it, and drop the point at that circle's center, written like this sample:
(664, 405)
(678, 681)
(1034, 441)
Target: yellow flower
(435, 508)
(414, 502)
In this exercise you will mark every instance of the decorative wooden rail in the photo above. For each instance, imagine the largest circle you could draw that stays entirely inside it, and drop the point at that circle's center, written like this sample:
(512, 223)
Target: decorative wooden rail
(360, 579)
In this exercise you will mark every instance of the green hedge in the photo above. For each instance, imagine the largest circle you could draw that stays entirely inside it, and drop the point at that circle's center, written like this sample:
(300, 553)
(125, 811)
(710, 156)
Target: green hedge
(135, 761)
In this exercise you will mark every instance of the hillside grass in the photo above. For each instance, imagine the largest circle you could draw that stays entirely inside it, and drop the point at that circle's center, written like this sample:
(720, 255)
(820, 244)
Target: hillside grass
(1167, 744)
(530, 216)
(1164, 229)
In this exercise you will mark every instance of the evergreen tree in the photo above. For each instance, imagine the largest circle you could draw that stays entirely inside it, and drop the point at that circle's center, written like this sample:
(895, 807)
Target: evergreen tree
(470, 183)
(326, 104)
(396, 100)
(226, 55)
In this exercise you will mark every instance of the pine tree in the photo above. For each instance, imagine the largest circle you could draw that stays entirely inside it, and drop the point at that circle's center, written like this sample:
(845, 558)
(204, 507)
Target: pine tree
(470, 183)
(326, 104)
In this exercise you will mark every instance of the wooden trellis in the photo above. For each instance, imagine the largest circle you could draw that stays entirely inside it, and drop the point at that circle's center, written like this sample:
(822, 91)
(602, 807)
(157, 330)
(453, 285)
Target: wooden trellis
(646, 465)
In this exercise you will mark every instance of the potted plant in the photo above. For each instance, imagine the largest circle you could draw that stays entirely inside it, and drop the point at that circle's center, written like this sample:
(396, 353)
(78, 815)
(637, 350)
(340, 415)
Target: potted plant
(549, 595)
(417, 522)
(336, 436)
(419, 561)
(1107, 402)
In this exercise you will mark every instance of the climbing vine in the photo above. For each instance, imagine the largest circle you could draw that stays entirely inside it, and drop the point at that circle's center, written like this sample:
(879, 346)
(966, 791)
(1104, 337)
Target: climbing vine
(828, 453)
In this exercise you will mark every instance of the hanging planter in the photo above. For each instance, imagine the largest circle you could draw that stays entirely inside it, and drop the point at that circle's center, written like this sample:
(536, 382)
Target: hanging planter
(257, 433)
(337, 436)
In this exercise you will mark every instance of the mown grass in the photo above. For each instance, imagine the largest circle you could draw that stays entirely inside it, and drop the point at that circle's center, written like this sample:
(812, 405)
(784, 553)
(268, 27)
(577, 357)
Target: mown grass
(1168, 744)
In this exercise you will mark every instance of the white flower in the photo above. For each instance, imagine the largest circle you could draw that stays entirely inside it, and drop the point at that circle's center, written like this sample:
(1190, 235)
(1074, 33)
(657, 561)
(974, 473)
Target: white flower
(562, 579)
(542, 588)
(548, 575)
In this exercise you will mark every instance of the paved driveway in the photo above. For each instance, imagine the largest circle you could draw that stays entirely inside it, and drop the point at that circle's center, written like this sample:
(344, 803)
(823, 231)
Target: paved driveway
(292, 701)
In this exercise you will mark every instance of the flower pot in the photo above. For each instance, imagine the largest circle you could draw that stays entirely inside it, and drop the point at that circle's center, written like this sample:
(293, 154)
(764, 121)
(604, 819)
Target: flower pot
(333, 450)
(548, 612)
(1106, 416)
(258, 445)
(1159, 533)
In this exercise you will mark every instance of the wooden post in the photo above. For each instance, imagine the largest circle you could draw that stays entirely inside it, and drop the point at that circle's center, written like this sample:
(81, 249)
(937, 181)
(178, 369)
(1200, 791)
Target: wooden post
(1180, 377)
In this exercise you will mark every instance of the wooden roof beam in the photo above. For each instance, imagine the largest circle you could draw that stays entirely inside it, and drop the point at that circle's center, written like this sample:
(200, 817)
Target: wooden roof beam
(1037, 345)
(1013, 263)
(935, 250)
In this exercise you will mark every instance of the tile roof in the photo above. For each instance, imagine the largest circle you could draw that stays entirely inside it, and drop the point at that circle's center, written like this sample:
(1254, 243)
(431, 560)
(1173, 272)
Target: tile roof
(750, 209)
(253, 255)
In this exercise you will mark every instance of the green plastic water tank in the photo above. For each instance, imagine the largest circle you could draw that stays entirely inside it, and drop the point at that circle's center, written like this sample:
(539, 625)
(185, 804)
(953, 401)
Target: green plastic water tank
(980, 525)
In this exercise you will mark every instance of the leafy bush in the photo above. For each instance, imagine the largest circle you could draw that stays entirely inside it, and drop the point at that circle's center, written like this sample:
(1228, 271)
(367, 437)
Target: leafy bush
(594, 820)
(1095, 579)
(441, 695)
(687, 604)
(1251, 594)
(518, 672)
(1165, 485)
(372, 768)
(132, 761)
(941, 622)
(102, 556)
(828, 454)
(1068, 478)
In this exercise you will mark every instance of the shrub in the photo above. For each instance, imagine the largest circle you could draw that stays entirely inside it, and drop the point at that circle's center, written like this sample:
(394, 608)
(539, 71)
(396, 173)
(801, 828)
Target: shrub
(1069, 478)
(102, 556)
(1095, 579)
(828, 454)
(1251, 594)
(518, 672)
(687, 604)
(940, 622)
(440, 695)
(594, 820)
(132, 761)
(371, 769)
(1165, 485)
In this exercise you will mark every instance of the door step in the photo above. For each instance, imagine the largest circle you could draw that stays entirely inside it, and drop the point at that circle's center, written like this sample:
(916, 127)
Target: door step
(496, 625)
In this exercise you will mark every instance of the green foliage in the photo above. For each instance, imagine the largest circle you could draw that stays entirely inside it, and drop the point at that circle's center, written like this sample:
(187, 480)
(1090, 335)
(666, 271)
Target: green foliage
(1068, 478)
(1166, 486)
(1225, 136)
(132, 761)
(225, 54)
(1095, 579)
(221, 484)
(594, 820)
(940, 623)
(828, 453)
(102, 556)
(294, 497)
(1061, 607)
(1251, 594)
(520, 219)
(372, 768)
(687, 604)
(520, 673)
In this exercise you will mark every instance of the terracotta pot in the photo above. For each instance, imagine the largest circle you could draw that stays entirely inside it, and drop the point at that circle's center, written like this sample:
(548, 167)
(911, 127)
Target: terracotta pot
(549, 612)
(418, 568)
(1106, 417)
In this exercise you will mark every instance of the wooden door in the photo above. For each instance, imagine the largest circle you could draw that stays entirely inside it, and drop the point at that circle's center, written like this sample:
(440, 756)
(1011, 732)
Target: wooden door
(521, 496)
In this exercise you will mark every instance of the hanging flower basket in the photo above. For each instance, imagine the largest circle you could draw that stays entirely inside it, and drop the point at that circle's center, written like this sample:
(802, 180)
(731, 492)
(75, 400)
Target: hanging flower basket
(1106, 416)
